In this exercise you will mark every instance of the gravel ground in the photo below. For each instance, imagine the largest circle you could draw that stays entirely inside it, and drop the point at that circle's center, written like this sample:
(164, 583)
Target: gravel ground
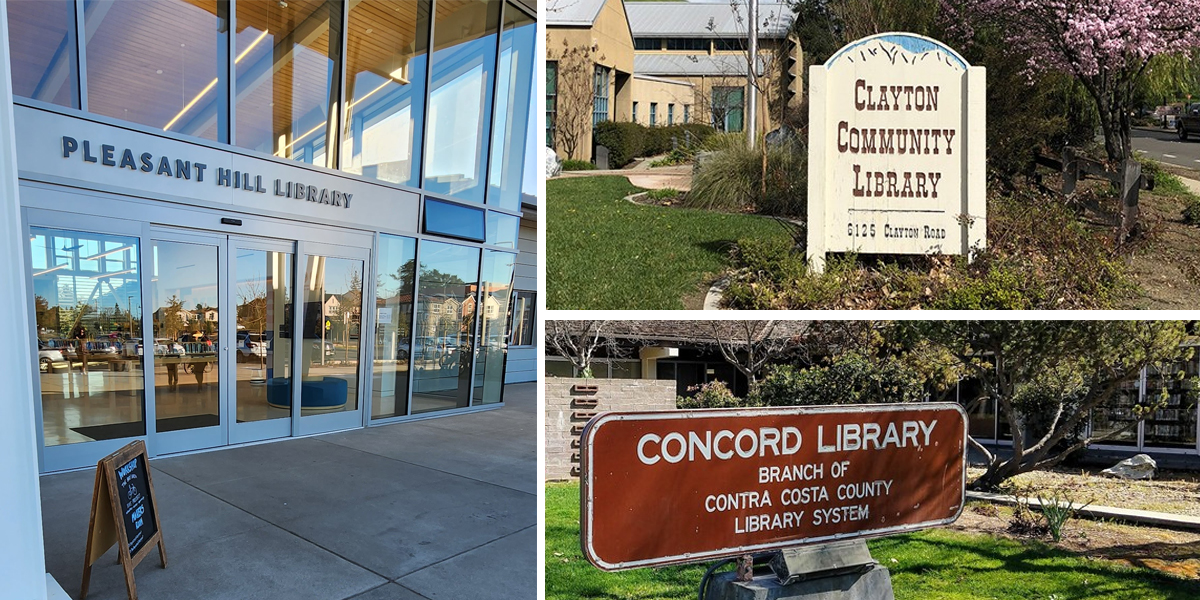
(1171, 491)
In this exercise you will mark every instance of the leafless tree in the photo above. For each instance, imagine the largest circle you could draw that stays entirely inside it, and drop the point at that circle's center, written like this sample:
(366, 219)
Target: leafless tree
(574, 89)
(751, 345)
(578, 341)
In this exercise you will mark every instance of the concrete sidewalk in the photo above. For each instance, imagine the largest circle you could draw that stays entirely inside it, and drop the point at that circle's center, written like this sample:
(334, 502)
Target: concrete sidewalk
(440, 508)
(1132, 515)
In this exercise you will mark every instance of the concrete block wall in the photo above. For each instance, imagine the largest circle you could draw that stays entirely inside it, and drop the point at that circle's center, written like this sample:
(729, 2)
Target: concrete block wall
(567, 410)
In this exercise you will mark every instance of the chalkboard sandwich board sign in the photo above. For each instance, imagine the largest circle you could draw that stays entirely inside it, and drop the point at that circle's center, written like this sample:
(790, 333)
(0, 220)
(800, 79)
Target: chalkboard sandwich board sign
(123, 513)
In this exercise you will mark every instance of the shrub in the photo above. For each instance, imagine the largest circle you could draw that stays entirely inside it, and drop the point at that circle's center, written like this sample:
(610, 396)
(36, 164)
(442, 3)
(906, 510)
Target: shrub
(1058, 510)
(1191, 212)
(714, 394)
(663, 194)
(851, 378)
(732, 179)
(624, 141)
(571, 164)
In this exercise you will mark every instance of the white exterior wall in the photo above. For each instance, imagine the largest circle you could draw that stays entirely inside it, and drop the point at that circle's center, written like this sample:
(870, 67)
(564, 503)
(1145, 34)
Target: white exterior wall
(22, 552)
(522, 360)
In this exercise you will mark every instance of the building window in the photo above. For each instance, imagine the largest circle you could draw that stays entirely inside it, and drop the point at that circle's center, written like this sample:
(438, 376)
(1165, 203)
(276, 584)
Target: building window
(730, 44)
(653, 114)
(551, 101)
(495, 283)
(42, 51)
(635, 112)
(460, 98)
(670, 114)
(600, 95)
(393, 325)
(514, 80)
(647, 43)
(286, 78)
(159, 64)
(448, 275)
(386, 59)
(727, 108)
(693, 44)
(523, 306)
(687, 113)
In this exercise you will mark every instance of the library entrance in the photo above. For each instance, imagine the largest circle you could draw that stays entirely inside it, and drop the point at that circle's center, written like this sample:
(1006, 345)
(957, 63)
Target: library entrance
(191, 339)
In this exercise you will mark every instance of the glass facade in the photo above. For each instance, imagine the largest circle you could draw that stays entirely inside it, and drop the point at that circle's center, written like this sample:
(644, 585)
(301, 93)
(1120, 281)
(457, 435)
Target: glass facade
(396, 278)
(445, 121)
(523, 306)
(387, 56)
(42, 45)
(187, 307)
(460, 98)
(88, 305)
(513, 103)
(287, 67)
(445, 327)
(159, 64)
(495, 285)
(332, 296)
(263, 288)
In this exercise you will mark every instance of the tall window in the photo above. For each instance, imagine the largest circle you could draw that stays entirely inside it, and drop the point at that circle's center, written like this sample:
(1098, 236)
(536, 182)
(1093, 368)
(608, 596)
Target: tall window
(727, 108)
(387, 51)
(687, 113)
(42, 51)
(286, 77)
(522, 329)
(160, 64)
(600, 95)
(448, 277)
(635, 112)
(670, 114)
(653, 114)
(551, 101)
(510, 126)
(393, 325)
(495, 291)
(460, 98)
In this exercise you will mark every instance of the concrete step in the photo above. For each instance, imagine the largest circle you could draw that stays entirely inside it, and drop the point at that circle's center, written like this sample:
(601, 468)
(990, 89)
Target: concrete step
(1132, 515)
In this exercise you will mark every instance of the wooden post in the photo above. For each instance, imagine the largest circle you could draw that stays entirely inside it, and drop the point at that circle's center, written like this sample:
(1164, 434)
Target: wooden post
(1130, 184)
(1070, 166)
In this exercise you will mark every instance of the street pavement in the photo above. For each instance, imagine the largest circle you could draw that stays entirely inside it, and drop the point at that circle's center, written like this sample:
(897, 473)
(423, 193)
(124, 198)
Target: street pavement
(1164, 146)
(432, 509)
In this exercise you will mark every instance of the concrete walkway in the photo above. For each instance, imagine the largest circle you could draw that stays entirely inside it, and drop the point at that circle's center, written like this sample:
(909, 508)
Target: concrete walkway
(678, 177)
(440, 508)
(1131, 515)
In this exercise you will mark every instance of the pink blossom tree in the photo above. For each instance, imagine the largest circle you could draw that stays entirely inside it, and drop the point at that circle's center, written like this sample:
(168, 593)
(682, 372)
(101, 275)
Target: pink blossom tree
(1105, 44)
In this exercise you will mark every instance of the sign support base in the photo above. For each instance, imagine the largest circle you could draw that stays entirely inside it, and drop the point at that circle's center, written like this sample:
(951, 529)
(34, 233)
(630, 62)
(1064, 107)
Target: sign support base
(837, 571)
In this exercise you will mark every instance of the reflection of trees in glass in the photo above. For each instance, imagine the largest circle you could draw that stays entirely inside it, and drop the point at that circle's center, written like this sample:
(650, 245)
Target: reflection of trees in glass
(47, 317)
(171, 322)
(252, 306)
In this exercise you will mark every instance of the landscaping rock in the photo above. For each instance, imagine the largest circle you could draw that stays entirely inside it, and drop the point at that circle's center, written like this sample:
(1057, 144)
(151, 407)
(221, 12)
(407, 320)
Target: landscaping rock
(1138, 467)
(553, 164)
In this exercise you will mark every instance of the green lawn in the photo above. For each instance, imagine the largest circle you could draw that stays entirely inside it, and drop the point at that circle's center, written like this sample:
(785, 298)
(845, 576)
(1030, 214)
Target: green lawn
(605, 253)
(930, 565)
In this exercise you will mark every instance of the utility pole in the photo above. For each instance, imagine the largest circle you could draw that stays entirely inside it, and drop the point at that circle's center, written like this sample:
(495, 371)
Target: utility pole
(752, 77)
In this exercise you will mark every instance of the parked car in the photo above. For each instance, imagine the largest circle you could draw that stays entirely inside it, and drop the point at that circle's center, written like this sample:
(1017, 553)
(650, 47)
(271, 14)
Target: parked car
(253, 345)
(47, 356)
(1188, 122)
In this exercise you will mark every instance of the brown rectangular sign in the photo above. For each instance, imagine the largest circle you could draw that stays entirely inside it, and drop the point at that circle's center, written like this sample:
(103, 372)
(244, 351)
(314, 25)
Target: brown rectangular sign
(686, 486)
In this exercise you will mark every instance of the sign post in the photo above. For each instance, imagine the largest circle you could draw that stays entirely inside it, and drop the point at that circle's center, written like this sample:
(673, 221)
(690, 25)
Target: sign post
(676, 487)
(123, 513)
(896, 154)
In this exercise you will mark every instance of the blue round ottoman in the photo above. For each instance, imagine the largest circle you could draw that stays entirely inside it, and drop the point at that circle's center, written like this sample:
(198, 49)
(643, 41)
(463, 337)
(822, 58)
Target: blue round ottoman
(327, 394)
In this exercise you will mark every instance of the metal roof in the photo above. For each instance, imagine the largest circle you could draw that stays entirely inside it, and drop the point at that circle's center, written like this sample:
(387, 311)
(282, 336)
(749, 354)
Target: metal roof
(704, 19)
(573, 12)
(731, 65)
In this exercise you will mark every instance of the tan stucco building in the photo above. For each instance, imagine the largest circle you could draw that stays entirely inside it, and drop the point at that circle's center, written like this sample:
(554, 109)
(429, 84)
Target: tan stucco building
(589, 71)
(659, 63)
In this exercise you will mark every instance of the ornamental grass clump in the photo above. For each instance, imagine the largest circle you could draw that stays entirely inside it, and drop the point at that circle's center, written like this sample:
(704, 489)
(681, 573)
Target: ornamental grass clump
(1058, 510)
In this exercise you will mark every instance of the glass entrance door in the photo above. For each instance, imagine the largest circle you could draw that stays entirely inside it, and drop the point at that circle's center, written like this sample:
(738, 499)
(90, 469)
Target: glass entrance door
(330, 365)
(261, 291)
(187, 286)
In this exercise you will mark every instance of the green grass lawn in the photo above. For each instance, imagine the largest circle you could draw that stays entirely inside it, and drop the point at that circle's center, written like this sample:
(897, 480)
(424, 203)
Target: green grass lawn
(605, 253)
(930, 565)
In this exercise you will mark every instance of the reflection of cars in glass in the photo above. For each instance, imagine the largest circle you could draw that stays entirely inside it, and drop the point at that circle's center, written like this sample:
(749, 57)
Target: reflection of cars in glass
(402, 351)
(168, 347)
(254, 344)
(47, 356)
(316, 345)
